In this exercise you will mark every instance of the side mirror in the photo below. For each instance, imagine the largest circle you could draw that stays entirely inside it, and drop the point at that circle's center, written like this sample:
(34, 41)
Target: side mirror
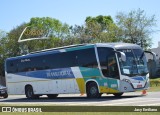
(152, 53)
(123, 56)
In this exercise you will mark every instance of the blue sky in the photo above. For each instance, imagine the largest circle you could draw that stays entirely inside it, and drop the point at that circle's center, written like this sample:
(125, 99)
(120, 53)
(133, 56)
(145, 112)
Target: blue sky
(15, 12)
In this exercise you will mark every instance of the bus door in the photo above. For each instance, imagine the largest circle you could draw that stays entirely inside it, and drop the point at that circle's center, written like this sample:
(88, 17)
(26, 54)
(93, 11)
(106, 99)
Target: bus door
(109, 67)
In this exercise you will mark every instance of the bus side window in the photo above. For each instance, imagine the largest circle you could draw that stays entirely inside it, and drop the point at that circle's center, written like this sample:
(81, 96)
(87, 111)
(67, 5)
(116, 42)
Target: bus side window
(86, 58)
(61, 60)
(12, 66)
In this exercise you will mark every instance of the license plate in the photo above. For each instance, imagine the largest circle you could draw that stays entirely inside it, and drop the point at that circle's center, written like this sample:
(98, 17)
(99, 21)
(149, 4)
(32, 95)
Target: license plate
(139, 86)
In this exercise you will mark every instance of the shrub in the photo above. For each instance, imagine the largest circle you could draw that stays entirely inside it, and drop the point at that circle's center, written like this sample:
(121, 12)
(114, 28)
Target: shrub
(154, 82)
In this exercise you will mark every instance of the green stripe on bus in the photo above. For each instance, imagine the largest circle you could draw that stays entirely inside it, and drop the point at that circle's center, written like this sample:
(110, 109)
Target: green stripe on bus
(113, 83)
(89, 72)
(79, 48)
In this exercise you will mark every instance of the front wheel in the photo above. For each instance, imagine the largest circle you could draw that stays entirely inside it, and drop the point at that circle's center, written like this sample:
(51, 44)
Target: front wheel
(92, 91)
(5, 96)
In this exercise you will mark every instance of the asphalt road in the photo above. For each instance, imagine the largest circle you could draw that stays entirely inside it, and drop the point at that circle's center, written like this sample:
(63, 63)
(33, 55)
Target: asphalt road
(128, 99)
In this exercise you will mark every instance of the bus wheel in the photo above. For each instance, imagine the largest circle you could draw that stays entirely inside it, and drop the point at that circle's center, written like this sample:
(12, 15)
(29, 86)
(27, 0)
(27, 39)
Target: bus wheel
(118, 94)
(92, 91)
(52, 96)
(29, 93)
(5, 96)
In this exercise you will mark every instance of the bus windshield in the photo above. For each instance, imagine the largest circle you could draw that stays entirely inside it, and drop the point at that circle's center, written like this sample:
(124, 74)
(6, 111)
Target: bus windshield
(135, 63)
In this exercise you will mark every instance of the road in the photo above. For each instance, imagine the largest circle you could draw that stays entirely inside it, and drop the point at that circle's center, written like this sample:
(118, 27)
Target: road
(128, 99)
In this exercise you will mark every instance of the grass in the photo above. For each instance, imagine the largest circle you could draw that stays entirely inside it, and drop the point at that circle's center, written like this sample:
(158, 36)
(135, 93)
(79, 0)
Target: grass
(154, 89)
(155, 85)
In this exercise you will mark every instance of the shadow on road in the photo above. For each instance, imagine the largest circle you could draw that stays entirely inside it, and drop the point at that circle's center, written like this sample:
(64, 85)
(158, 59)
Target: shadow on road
(69, 99)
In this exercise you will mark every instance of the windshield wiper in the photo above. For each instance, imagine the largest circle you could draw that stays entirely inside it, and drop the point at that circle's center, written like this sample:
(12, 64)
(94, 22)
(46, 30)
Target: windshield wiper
(131, 75)
(141, 56)
(144, 74)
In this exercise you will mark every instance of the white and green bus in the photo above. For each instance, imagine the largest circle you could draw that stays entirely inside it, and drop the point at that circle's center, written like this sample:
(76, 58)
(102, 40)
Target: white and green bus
(92, 69)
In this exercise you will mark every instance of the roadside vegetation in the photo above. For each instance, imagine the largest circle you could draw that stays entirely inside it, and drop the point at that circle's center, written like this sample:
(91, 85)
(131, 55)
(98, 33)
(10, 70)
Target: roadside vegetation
(155, 82)
(154, 85)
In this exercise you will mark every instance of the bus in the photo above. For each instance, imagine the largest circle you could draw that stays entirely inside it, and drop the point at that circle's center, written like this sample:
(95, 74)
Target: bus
(91, 69)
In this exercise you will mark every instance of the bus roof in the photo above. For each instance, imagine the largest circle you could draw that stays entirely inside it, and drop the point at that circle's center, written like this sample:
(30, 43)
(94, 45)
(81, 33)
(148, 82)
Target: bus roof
(119, 45)
(77, 47)
(54, 51)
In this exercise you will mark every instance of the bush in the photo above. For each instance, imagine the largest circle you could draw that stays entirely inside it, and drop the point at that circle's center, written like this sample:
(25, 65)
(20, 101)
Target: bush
(154, 82)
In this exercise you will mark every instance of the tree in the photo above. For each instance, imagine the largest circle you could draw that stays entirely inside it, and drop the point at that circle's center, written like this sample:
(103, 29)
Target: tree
(103, 21)
(2, 33)
(102, 29)
(136, 27)
(2, 51)
(77, 35)
(50, 28)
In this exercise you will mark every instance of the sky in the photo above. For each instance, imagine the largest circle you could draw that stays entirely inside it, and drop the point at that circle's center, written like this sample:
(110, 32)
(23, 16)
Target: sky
(15, 12)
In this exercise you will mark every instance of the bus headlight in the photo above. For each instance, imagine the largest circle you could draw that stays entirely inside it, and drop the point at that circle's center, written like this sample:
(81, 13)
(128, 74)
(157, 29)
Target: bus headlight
(127, 80)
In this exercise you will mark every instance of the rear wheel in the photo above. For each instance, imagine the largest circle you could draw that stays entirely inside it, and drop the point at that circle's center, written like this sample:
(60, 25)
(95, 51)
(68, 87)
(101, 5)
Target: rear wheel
(92, 91)
(29, 93)
(118, 94)
(5, 96)
(52, 96)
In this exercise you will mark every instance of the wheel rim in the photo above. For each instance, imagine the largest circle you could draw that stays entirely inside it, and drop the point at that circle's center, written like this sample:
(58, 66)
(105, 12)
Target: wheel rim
(93, 90)
(29, 92)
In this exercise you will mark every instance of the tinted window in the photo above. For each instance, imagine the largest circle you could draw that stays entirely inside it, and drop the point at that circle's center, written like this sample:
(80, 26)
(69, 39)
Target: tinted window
(31, 64)
(12, 66)
(108, 62)
(82, 58)
(86, 58)
(37, 63)
(24, 65)
(61, 60)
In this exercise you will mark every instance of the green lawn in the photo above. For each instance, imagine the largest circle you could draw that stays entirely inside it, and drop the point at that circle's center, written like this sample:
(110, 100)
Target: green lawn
(155, 85)
(154, 89)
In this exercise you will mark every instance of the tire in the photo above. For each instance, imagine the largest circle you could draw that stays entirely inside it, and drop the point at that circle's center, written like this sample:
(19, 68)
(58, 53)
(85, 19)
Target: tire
(118, 94)
(29, 93)
(92, 91)
(5, 96)
(52, 96)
